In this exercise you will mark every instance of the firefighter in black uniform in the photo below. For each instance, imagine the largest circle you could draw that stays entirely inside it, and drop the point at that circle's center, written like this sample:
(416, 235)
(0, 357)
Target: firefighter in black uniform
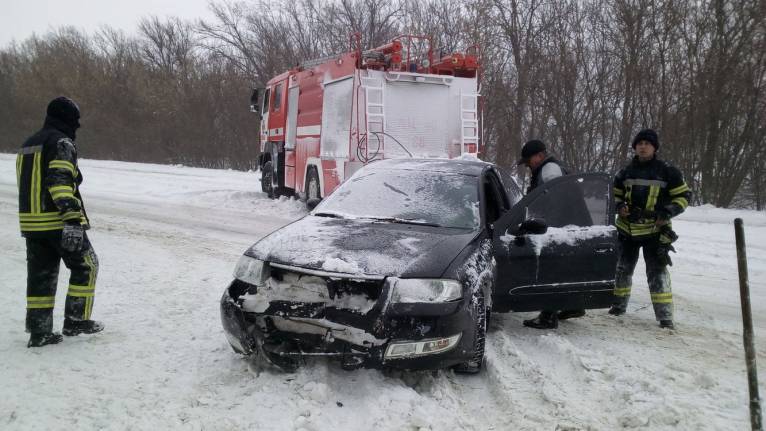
(648, 192)
(53, 222)
(544, 168)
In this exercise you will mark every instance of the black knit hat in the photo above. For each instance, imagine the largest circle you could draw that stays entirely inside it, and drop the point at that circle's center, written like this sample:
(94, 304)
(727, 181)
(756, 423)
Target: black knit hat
(648, 135)
(530, 149)
(65, 110)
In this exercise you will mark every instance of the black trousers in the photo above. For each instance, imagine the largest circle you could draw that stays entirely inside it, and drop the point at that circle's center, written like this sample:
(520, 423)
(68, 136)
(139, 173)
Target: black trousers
(657, 276)
(44, 256)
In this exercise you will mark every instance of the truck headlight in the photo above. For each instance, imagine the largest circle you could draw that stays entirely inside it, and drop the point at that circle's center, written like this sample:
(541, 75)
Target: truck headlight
(250, 270)
(409, 290)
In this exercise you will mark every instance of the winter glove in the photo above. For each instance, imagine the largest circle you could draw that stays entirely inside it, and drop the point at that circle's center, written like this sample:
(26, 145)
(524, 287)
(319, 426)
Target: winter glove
(663, 254)
(667, 235)
(663, 217)
(72, 237)
(623, 210)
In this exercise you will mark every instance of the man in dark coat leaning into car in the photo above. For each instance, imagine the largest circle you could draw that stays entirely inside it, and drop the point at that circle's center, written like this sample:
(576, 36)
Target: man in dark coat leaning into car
(648, 193)
(544, 168)
(53, 222)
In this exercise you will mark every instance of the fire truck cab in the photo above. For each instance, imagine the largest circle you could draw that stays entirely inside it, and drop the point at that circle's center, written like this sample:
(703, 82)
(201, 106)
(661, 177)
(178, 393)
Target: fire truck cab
(326, 118)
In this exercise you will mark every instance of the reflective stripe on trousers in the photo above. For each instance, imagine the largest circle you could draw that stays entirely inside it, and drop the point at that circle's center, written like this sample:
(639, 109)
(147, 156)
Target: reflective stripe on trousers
(44, 256)
(657, 276)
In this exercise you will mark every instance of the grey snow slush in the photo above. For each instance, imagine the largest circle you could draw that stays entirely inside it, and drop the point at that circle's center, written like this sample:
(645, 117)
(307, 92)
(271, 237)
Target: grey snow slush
(401, 265)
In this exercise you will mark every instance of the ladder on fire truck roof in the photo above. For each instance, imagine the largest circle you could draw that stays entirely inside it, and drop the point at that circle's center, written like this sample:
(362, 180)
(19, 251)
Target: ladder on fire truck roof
(374, 114)
(469, 119)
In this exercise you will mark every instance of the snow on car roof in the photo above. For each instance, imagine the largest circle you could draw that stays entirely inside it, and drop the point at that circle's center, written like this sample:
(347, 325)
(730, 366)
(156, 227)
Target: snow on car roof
(462, 166)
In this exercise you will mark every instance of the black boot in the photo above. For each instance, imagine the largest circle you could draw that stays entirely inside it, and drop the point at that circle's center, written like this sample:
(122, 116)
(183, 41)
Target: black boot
(77, 327)
(570, 314)
(667, 324)
(616, 310)
(39, 340)
(545, 320)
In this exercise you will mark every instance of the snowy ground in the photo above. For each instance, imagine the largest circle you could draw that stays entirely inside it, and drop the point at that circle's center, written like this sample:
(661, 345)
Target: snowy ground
(168, 237)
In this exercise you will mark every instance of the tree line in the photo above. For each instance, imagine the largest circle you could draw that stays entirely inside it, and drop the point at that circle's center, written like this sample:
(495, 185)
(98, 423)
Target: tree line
(582, 75)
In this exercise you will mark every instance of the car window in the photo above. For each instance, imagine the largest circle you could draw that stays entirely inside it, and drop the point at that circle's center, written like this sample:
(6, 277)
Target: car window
(492, 206)
(580, 201)
(510, 185)
(444, 199)
(494, 197)
(499, 190)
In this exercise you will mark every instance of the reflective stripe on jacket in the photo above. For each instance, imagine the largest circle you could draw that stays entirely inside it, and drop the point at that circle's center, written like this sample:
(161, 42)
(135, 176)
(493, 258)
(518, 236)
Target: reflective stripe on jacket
(649, 189)
(47, 176)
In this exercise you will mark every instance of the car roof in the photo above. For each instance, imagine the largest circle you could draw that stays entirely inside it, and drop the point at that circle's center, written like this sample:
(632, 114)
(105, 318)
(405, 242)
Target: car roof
(472, 167)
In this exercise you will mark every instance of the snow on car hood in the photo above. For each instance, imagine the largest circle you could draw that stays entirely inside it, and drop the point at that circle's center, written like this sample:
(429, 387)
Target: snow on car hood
(363, 247)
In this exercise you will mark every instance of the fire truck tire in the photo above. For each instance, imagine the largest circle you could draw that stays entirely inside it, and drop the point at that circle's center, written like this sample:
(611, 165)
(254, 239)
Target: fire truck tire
(267, 179)
(312, 184)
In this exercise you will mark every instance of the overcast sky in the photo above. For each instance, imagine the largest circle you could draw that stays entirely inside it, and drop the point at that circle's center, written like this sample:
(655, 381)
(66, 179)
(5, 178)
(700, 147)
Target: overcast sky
(19, 19)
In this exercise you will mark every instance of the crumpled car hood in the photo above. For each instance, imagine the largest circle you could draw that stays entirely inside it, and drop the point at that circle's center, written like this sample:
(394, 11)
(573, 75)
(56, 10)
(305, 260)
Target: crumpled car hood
(363, 247)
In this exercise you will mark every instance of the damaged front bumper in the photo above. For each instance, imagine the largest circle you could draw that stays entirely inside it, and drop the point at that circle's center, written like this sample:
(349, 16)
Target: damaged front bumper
(380, 335)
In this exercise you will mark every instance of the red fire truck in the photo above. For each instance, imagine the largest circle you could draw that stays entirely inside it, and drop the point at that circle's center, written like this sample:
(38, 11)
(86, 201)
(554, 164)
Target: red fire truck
(323, 120)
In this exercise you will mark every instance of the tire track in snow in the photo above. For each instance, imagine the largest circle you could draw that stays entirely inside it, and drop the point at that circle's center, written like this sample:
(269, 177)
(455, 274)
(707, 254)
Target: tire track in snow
(516, 379)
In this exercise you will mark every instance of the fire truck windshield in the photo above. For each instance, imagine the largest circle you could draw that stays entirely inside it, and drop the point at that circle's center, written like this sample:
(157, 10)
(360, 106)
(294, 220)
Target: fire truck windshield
(401, 196)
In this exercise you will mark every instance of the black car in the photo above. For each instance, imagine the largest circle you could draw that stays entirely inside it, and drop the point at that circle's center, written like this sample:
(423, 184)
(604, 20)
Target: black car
(402, 264)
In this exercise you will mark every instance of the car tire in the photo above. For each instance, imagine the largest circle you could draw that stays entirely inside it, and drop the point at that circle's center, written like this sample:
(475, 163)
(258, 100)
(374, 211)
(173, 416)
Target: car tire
(480, 313)
(312, 185)
(267, 179)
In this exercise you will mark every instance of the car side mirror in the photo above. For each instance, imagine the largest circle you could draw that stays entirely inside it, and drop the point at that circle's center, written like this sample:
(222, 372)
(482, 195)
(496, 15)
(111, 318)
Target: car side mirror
(312, 203)
(533, 226)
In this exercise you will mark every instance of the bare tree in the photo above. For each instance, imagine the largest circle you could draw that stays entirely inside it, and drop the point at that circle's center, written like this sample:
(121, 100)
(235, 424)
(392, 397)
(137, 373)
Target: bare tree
(584, 75)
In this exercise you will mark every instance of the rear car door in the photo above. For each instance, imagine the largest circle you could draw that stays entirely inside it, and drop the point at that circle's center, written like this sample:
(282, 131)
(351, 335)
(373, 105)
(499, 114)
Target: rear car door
(572, 264)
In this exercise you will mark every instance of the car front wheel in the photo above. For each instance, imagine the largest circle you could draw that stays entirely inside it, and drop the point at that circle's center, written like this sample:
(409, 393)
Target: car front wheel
(479, 311)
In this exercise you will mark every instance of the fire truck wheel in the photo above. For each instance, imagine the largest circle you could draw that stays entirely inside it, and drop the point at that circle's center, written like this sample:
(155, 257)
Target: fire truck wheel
(267, 179)
(312, 185)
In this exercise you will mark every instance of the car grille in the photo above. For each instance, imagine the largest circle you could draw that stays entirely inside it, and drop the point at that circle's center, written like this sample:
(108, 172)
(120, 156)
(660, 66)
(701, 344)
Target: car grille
(338, 285)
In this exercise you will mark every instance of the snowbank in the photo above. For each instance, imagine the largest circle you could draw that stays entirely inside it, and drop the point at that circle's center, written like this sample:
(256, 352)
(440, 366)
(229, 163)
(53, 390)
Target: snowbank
(168, 238)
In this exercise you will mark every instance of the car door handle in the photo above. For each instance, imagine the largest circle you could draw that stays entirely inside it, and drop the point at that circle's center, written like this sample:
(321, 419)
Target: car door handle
(601, 249)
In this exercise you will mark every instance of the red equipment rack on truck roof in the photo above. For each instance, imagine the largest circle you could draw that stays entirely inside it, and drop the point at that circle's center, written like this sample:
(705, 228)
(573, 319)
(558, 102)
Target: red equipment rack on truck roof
(323, 120)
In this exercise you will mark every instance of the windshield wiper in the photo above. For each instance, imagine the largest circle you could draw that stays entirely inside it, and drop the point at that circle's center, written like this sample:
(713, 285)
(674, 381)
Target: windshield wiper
(328, 214)
(405, 221)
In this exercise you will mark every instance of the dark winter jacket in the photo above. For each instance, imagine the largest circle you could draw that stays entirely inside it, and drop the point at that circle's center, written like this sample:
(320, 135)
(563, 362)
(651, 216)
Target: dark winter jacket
(537, 177)
(651, 190)
(48, 177)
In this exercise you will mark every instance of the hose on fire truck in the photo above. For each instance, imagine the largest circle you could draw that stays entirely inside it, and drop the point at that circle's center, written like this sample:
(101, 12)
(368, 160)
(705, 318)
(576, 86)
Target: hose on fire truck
(365, 158)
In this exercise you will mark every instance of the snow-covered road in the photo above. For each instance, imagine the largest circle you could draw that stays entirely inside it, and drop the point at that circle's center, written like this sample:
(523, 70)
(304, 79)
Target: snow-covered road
(168, 238)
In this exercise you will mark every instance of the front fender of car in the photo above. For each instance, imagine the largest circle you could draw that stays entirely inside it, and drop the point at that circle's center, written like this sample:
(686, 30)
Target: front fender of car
(236, 328)
(475, 267)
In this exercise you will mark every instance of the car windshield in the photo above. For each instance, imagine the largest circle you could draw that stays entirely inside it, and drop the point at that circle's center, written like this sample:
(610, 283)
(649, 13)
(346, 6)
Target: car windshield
(406, 196)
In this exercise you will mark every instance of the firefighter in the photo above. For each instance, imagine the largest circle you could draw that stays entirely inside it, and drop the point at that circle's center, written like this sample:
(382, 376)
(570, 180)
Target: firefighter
(648, 193)
(544, 168)
(53, 222)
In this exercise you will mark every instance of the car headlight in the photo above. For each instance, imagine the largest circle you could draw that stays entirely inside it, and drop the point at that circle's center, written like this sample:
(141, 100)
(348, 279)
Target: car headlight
(250, 270)
(411, 290)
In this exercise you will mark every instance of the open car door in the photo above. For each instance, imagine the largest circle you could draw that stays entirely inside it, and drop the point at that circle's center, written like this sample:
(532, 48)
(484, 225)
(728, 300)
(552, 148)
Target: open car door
(557, 247)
